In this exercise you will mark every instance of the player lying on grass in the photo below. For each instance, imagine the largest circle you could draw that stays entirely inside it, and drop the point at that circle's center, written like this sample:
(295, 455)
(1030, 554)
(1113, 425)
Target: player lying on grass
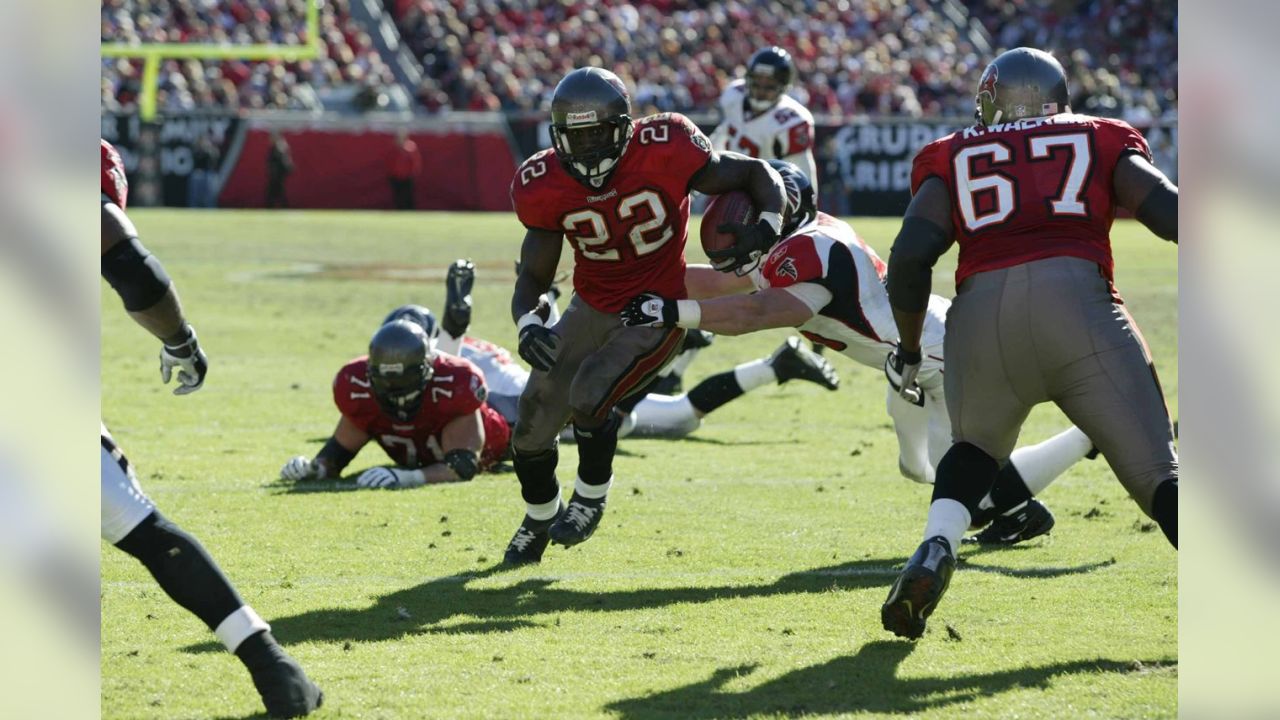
(130, 521)
(428, 444)
(822, 278)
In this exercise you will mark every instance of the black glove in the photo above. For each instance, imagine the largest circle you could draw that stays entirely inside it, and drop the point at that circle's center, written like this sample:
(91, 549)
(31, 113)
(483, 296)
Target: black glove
(188, 359)
(751, 242)
(650, 310)
(900, 369)
(539, 346)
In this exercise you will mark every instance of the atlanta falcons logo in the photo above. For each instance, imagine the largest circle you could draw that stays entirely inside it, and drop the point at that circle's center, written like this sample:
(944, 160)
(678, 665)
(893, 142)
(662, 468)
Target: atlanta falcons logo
(787, 268)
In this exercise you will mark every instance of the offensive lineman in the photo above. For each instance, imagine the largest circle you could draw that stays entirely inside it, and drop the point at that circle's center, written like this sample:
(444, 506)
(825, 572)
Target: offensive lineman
(823, 279)
(618, 191)
(1036, 316)
(759, 119)
(130, 521)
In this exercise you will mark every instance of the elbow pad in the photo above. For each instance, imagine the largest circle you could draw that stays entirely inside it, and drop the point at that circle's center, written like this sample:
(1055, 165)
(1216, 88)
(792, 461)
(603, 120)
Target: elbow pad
(1159, 211)
(464, 462)
(915, 251)
(135, 274)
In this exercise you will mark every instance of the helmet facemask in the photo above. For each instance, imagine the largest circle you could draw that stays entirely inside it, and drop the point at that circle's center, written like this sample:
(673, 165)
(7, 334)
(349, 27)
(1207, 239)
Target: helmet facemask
(401, 363)
(590, 151)
(763, 88)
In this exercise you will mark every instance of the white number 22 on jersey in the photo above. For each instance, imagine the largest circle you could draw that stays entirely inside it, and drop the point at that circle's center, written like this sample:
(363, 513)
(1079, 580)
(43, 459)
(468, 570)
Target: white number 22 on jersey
(1040, 147)
(589, 230)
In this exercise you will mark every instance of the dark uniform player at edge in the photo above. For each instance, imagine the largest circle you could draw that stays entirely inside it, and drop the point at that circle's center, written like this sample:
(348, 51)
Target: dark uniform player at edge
(130, 521)
(1029, 194)
(618, 191)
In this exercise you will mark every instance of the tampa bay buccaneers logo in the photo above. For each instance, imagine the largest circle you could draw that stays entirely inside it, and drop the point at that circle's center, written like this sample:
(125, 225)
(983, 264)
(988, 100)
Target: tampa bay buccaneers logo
(987, 86)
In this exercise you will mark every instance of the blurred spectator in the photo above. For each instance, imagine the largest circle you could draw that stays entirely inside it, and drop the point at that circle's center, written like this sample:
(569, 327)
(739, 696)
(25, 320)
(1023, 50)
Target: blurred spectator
(279, 167)
(201, 184)
(404, 164)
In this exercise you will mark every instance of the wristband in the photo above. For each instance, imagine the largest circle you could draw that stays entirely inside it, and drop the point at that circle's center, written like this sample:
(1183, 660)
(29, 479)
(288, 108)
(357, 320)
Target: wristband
(527, 319)
(774, 219)
(909, 357)
(688, 314)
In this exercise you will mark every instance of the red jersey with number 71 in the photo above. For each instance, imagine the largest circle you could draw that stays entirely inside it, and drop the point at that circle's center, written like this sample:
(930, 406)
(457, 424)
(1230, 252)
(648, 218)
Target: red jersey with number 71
(1030, 189)
(627, 236)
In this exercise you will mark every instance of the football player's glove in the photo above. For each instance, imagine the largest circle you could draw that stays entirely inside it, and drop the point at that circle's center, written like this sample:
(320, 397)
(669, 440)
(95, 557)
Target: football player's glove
(650, 310)
(388, 478)
(539, 344)
(901, 368)
(189, 359)
(298, 469)
(751, 243)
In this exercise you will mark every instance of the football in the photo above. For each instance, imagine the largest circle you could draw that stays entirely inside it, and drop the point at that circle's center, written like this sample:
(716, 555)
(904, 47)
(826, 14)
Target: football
(731, 207)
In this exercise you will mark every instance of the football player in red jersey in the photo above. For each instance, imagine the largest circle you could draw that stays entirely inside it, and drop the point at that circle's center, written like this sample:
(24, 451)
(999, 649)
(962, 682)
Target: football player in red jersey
(823, 279)
(426, 409)
(618, 191)
(1029, 194)
(130, 521)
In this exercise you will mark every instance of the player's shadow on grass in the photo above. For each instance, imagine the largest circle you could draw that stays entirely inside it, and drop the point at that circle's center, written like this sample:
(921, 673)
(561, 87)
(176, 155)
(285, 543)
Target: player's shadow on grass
(866, 681)
(539, 601)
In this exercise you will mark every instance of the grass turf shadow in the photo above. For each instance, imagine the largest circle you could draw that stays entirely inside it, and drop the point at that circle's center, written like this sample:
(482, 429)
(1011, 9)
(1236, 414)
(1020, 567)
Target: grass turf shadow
(863, 682)
(429, 606)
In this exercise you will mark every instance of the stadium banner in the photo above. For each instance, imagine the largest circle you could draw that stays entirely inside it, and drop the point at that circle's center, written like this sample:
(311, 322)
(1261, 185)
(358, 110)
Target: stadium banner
(176, 161)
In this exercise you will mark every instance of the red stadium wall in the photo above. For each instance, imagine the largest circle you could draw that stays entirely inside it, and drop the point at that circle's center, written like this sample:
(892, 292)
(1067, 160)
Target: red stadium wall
(463, 170)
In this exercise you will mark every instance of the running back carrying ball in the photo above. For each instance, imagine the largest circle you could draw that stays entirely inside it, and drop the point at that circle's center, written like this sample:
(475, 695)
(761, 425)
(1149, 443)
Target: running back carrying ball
(731, 207)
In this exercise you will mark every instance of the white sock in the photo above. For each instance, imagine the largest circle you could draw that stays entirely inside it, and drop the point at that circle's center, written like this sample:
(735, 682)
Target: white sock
(1041, 464)
(238, 626)
(754, 374)
(592, 492)
(546, 510)
(448, 343)
(948, 518)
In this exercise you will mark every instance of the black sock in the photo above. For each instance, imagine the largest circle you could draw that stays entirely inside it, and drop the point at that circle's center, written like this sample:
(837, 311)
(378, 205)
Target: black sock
(1165, 509)
(537, 475)
(714, 392)
(965, 474)
(1009, 490)
(183, 568)
(596, 448)
(259, 650)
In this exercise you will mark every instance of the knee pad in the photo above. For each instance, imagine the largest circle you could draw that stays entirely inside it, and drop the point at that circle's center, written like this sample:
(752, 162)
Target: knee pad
(965, 474)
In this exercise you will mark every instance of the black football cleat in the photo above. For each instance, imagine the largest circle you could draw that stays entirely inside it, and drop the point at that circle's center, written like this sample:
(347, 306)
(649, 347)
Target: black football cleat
(1031, 520)
(458, 283)
(696, 340)
(918, 589)
(577, 523)
(530, 541)
(791, 361)
(286, 690)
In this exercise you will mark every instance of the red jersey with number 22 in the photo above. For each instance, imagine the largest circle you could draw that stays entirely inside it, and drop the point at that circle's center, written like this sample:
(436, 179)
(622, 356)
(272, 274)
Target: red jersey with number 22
(628, 236)
(457, 388)
(1030, 189)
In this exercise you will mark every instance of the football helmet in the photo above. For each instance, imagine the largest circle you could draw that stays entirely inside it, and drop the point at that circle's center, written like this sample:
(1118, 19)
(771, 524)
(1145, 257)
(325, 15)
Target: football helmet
(770, 73)
(400, 364)
(590, 124)
(1021, 83)
(417, 314)
(801, 207)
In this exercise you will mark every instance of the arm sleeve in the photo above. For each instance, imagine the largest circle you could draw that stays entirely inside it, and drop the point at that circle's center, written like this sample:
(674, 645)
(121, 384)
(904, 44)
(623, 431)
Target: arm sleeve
(811, 294)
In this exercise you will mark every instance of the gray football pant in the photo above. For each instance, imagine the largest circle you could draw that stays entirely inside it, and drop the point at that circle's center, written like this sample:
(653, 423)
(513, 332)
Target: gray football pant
(1050, 330)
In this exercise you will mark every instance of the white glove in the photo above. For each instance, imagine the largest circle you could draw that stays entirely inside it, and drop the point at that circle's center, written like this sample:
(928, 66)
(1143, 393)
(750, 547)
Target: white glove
(190, 360)
(390, 478)
(901, 368)
(298, 469)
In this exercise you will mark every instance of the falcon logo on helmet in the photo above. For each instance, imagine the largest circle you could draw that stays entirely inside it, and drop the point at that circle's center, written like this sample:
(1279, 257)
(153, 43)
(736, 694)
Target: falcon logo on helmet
(590, 124)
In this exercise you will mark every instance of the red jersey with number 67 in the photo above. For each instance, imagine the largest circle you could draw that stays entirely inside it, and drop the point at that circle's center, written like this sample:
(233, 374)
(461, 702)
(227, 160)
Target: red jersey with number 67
(115, 187)
(457, 388)
(1030, 189)
(628, 236)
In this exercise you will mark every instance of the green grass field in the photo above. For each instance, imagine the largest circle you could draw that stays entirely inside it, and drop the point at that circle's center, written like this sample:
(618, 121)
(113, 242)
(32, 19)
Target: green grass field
(738, 573)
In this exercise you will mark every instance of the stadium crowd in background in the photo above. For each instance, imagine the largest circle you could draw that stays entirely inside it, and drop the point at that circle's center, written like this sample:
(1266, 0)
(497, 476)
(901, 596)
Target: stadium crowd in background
(912, 58)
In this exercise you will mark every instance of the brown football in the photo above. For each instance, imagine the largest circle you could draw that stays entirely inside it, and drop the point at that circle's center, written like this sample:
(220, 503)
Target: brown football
(731, 207)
